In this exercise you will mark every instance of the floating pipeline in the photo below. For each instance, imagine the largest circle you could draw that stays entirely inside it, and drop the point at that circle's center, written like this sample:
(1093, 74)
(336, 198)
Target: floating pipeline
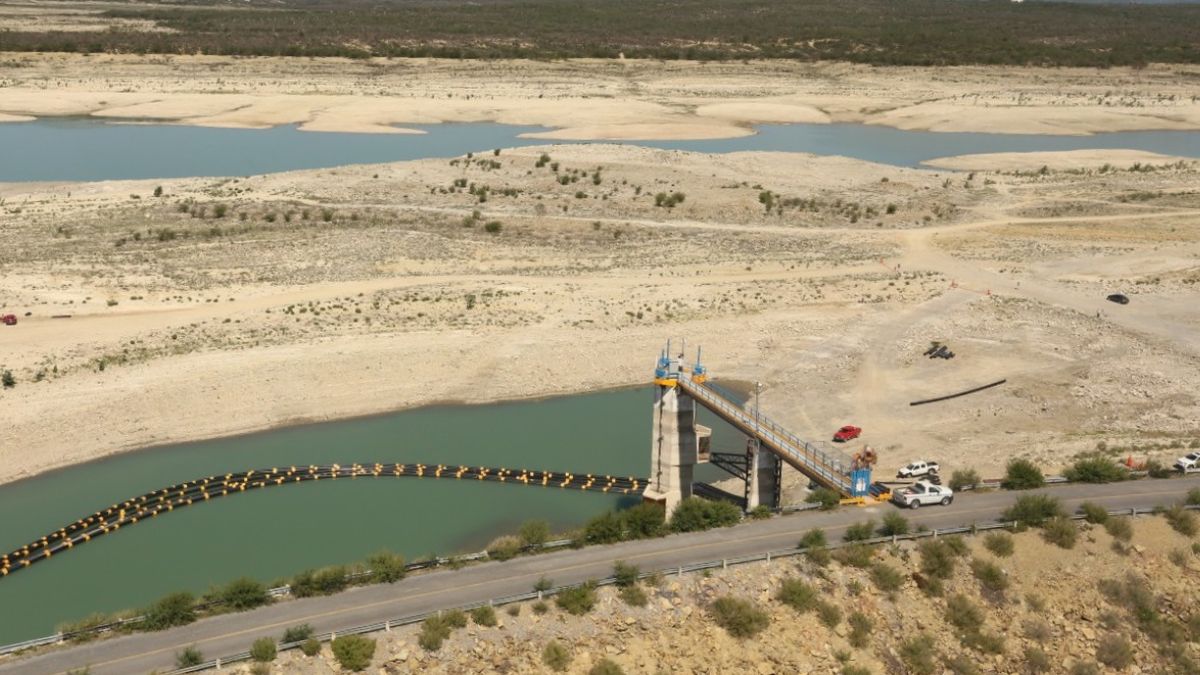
(165, 500)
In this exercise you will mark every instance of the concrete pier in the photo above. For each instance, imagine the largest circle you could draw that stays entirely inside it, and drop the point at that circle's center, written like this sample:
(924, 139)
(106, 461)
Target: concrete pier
(763, 470)
(674, 447)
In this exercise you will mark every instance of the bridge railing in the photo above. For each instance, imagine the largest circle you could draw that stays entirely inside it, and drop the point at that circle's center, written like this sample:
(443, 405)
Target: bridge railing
(829, 464)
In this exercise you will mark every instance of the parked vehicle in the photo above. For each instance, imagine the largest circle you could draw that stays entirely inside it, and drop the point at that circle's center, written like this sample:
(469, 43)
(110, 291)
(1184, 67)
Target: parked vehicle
(1188, 462)
(922, 493)
(9, 319)
(847, 433)
(917, 468)
(1119, 298)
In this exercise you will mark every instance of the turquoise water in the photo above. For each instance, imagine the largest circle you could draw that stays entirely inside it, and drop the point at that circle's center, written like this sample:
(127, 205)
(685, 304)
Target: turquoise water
(276, 532)
(88, 149)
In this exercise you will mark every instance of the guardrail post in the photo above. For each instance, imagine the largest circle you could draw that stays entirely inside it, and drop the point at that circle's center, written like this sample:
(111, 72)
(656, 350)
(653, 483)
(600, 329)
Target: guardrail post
(387, 626)
(724, 563)
(1133, 511)
(680, 574)
(539, 595)
(768, 557)
(218, 664)
(935, 533)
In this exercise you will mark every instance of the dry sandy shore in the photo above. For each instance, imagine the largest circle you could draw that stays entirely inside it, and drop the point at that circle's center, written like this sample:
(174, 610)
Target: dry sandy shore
(594, 99)
(227, 305)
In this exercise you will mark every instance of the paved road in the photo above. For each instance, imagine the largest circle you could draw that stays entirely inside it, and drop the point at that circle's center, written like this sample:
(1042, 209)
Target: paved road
(233, 633)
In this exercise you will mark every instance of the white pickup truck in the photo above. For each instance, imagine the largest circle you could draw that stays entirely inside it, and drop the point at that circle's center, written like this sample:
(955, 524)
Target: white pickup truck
(917, 468)
(922, 493)
(1188, 462)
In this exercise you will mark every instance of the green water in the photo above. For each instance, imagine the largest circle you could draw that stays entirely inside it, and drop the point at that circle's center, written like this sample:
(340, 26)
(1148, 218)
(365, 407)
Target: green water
(270, 533)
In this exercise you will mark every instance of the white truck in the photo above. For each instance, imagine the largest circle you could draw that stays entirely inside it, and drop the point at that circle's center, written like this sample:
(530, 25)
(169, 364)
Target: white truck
(922, 493)
(1188, 462)
(917, 469)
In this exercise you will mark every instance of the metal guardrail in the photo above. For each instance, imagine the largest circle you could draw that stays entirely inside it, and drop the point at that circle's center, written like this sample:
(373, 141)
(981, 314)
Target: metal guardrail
(680, 570)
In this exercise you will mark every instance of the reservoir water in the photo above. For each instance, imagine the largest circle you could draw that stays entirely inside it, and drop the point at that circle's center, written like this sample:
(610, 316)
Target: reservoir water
(275, 532)
(90, 149)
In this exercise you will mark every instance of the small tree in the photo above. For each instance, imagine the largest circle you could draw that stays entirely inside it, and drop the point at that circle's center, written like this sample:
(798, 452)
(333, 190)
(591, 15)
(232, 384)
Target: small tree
(386, 567)
(242, 594)
(1022, 474)
(354, 652)
(158, 191)
(556, 656)
(263, 650)
(963, 478)
(603, 529)
(643, 521)
(534, 533)
(1096, 469)
(177, 609)
(694, 514)
(7, 379)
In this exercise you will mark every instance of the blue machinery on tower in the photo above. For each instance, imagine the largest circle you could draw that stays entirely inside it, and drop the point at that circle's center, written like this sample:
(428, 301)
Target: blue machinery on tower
(680, 385)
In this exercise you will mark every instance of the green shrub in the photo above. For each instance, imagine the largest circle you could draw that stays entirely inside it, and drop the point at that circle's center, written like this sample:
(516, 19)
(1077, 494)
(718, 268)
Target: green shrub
(484, 615)
(543, 584)
(310, 647)
(999, 543)
(1096, 469)
(493, 227)
(605, 667)
(455, 618)
(578, 600)
(990, 576)
(886, 578)
(644, 521)
(894, 524)
(1037, 629)
(605, 528)
(176, 609)
(263, 650)
(556, 656)
(1034, 509)
(829, 614)
(322, 582)
(740, 618)
(814, 538)
(961, 664)
(513, 610)
(694, 514)
(540, 607)
(918, 654)
(353, 652)
(760, 512)
(534, 533)
(797, 594)
(298, 633)
(634, 596)
(856, 555)
(855, 670)
(1120, 529)
(963, 478)
(1061, 532)
(1022, 474)
(1036, 661)
(1114, 651)
(957, 545)
(7, 379)
(860, 531)
(386, 567)
(1193, 497)
(190, 656)
(1182, 520)
(241, 594)
(828, 499)
(1094, 513)
(1082, 668)
(818, 556)
(860, 630)
(937, 560)
(963, 614)
(504, 547)
(625, 574)
(1156, 469)
(434, 631)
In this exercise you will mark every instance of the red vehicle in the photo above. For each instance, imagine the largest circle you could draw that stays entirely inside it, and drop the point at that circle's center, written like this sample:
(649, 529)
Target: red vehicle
(9, 319)
(847, 433)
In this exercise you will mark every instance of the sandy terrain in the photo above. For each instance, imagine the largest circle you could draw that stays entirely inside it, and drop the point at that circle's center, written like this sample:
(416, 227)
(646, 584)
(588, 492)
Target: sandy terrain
(594, 100)
(1067, 160)
(227, 305)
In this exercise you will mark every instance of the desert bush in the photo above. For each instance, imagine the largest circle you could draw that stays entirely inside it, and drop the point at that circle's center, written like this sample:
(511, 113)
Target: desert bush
(894, 524)
(860, 531)
(605, 528)
(543, 584)
(740, 618)
(534, 533)
(963, 478)
(263, 650)
(990, 576)
(828, 499)
(760, 512)
(644, 521)
(1094, 513)
(625, 574)
(190, 656)
(829, 614)
(455, 618)
(322, 582)
(1083, 668)
(918, 654)
(961, 664)
(1180, 557)
(849, 669)
(963, 614)
(856, 555)
(818, 556)
(540, 607)
(797, 594)
(999, 543)
(1061, 532)
(556, 656)
(513, 610)
(1036, 661)
(937, 560)
(1037, 629)
(241, 594)
(310, 647)
(176, 609)
(957, 545)
(7, 379)
(1114, 651)
(298, 633)
(1034, 509)
(1193, 497)
(694, 514)
(1096, 469)
(577, 601)
(634, 596)
(505, 547)
(1182, 520)
(886, 578)
(386, 567)
(1022, 474)
(1156, 469)
(1120, 528)
(814, 538)
(353, 652)
(434, 631)
(606, 667)
(860, 630)
(484, 615)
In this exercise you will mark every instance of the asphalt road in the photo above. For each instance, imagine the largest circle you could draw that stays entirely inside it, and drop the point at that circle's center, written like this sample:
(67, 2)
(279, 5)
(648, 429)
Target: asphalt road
(233, 633)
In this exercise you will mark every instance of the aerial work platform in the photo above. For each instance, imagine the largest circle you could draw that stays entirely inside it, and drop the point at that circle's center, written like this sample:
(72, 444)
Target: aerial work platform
(676, 441)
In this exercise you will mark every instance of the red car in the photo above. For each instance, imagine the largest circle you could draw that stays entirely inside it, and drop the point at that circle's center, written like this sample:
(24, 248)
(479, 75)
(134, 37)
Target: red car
(847, 433)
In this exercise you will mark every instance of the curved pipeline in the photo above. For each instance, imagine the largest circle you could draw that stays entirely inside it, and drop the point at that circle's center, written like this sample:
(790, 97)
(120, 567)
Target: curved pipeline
(151, 504)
